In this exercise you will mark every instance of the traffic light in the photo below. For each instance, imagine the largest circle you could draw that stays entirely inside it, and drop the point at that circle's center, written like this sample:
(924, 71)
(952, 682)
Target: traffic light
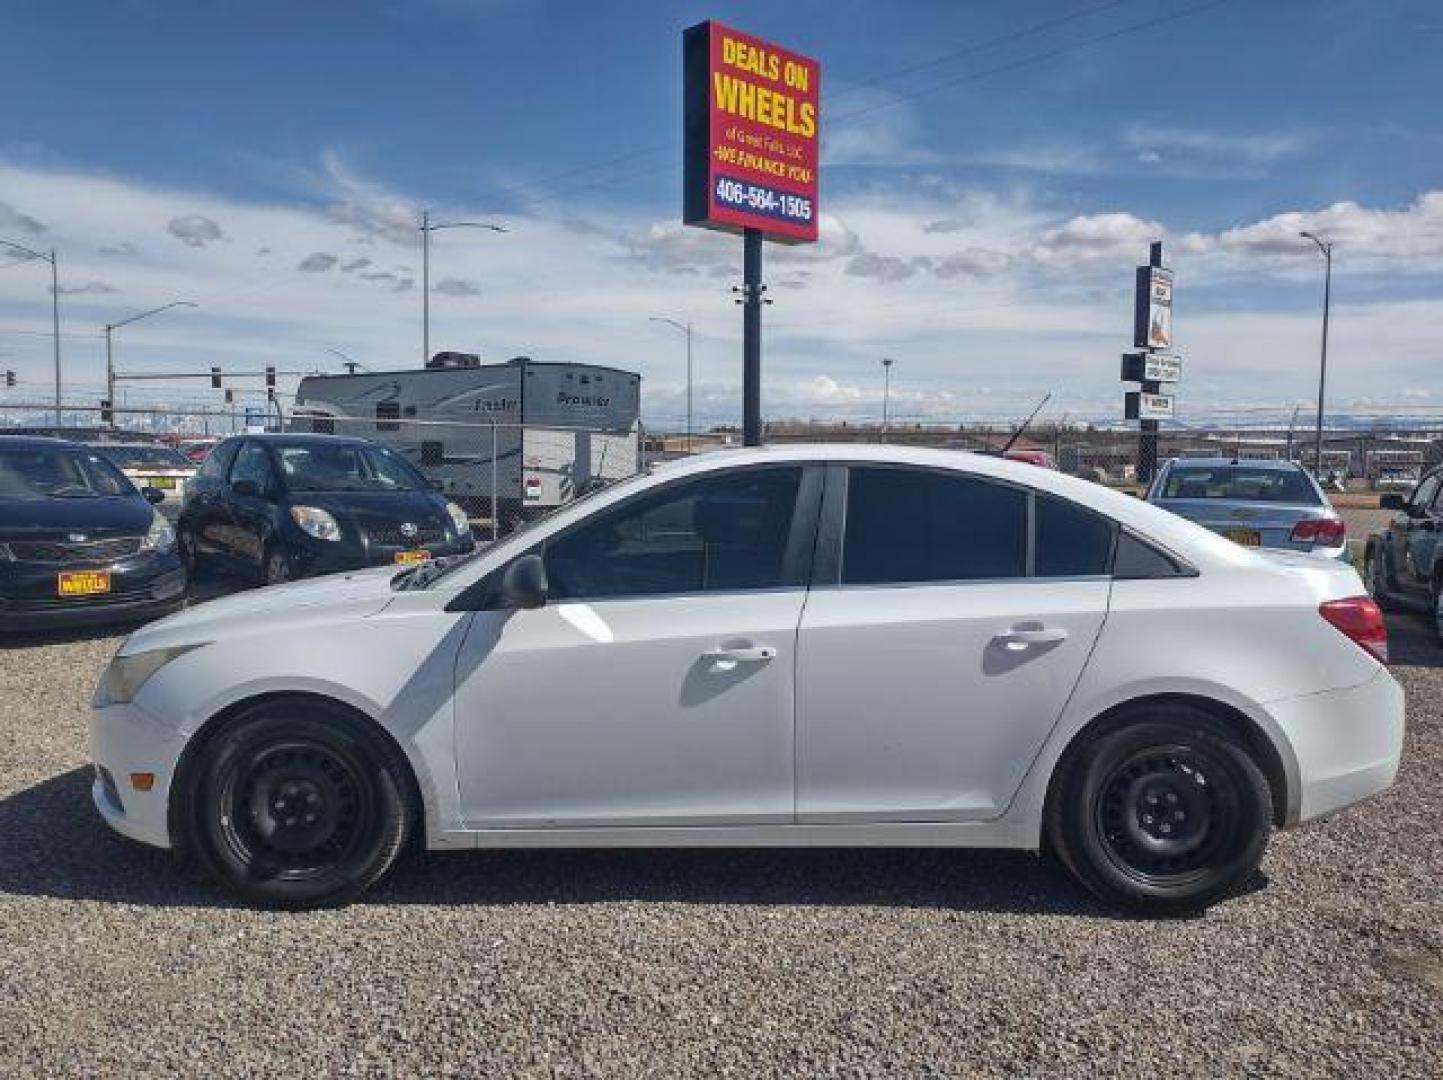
(215, 378)
(107, 414)
(270, 383)
(9, 378)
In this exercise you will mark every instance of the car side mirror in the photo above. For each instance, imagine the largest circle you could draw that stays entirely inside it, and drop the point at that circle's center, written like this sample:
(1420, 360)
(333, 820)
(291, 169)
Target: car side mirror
(524, 585)
(153, 495)
(248, 488)
(1392, 501)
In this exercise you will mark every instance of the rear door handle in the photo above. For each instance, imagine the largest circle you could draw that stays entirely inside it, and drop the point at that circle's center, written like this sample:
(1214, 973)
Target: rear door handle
(726, 659)
(1018, 639)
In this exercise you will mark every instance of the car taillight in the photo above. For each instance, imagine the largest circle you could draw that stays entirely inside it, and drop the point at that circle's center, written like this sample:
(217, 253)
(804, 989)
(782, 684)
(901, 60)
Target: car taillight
(1330, 532)
(1360, 619)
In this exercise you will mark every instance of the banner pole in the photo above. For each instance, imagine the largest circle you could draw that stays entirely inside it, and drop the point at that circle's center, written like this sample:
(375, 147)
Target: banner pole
(752, 337)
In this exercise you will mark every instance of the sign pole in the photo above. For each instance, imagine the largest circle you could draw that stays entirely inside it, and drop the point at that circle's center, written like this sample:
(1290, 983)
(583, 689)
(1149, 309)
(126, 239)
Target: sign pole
(1147, 438)
(752, 289)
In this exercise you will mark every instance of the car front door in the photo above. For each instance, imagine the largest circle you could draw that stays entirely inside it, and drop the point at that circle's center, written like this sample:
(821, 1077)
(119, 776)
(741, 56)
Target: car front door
(942, 639)
(655, 687)
(251, 502)
(204, 514)
(1415, 538)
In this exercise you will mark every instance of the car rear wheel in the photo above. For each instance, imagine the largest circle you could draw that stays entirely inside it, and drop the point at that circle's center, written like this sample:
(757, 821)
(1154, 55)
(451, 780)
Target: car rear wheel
(1163, 814)
(189, 553)
(1375, 578)
(295, 807)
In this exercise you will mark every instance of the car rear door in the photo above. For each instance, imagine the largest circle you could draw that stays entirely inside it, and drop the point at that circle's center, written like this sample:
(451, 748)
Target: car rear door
(655, 687)
(949, 621)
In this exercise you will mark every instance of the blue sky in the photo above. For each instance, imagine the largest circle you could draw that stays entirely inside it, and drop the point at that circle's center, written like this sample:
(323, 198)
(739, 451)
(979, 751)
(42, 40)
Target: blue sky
(984, 208)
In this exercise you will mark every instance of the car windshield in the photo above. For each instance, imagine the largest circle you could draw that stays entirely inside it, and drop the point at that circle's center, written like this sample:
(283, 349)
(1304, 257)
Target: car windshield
(345, 467)
(146, 457)
(52, 472)
(1239, 483)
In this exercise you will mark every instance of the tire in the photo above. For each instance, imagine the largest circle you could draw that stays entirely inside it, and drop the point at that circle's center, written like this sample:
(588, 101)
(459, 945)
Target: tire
(1375, 578)
(277, 568)
(297, 806)
(1435, 606)
(1108, 814)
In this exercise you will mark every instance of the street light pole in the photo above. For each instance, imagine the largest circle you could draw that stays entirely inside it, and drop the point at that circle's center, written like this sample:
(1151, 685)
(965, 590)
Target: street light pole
(427, 228)
(1326, 247)
(54, 308)
(110, 329)
(886, 394)
(684, 327)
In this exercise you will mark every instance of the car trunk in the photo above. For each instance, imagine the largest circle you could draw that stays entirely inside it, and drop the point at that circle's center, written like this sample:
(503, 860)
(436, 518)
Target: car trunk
(1268, 525)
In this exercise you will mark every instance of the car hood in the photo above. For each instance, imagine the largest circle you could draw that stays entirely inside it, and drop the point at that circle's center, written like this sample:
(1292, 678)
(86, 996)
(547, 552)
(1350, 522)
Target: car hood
(358, 594)
(372, 504)
(123, 515)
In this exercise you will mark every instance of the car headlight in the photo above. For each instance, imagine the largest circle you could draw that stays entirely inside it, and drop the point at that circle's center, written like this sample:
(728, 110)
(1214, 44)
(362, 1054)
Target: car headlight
(314, 521)
(127, 674)
(160, 537)
(459, 519)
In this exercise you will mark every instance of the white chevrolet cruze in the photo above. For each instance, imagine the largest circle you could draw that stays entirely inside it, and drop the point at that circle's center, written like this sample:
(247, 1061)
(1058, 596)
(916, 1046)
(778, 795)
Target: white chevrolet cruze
(822, 646)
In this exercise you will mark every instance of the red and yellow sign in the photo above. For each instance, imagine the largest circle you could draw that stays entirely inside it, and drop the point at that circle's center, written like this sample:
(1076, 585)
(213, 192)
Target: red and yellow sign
(752, 135)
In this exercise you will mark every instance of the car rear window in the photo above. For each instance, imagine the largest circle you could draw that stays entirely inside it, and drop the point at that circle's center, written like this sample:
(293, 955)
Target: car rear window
(1239, 483)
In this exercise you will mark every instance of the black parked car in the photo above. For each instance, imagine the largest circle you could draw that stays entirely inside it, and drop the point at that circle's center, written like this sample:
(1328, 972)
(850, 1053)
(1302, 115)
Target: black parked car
(1404, 563)
(288, 506)
(78, 542)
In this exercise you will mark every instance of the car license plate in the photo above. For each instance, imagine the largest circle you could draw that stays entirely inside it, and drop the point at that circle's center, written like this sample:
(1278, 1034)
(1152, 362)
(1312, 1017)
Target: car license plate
(412, 556)
(1246, 537)
(166, 482)
(83, 582)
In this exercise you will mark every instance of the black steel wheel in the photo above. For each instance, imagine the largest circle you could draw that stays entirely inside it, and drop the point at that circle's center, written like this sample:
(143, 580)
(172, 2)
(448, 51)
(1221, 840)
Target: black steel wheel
(189, 553)
(1164, 813)
(298, 806)
(1375, 577)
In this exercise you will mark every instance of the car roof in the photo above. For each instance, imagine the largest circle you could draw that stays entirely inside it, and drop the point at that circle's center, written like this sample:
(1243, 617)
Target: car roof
(40, 442)
(1251, 463)
(305, 437)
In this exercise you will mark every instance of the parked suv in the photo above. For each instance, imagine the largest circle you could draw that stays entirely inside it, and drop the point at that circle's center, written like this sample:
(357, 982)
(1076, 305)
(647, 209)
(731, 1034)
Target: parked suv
(1403, 567)
(289, 506)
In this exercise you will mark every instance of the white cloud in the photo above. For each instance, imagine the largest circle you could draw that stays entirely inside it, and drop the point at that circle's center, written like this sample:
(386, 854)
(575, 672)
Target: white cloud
(966, 289)
(195, 230)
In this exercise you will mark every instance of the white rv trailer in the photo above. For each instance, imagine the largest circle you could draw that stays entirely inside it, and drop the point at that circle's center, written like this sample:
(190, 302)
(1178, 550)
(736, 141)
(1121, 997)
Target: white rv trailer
(539, 433)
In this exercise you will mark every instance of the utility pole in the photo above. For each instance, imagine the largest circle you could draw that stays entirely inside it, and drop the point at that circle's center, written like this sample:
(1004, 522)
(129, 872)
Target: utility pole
(110, 329)
(887, 363)
(753, 296)
(1326, 247)
(427, 228)
(684, 327)
(54, 308)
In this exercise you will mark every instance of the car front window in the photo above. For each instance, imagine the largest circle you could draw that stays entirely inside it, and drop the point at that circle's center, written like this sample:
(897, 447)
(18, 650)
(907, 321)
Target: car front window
(147, 457)
(57, 473)
(321, 468)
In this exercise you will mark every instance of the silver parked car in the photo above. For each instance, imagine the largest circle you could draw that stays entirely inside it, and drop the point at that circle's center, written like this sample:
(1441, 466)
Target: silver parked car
(1271, 504)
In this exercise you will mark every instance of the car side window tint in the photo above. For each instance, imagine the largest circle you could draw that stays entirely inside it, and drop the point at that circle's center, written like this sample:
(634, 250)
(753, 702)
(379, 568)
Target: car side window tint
(217, 462)
(726, 532)
(915, 525)
(253, 463)
(1137, 560)
(1071, 541)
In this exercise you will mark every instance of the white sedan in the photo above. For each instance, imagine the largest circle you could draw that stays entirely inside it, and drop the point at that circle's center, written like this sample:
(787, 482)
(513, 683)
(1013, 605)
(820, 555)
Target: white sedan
(811, 646)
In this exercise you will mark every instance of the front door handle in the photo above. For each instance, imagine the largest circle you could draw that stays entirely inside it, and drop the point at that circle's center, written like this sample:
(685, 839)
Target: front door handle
(726, 659)
(1017, 639)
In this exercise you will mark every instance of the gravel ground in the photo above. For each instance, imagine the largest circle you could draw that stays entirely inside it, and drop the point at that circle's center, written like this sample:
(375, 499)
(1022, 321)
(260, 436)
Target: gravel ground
(113, 960)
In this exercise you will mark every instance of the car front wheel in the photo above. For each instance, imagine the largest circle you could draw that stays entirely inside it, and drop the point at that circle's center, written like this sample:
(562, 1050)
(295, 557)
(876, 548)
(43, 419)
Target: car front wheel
(1375, 578)
(1163, 814)
(295, 806)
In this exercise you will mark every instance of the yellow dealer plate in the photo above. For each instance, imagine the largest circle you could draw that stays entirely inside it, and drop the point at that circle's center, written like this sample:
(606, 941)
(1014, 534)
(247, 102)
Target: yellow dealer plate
(412, 556)
(1246, 537)
(83, 582)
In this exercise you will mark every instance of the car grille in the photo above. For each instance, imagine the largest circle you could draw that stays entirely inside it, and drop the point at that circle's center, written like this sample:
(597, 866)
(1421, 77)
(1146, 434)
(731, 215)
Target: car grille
(61, 551)
(390, 535)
